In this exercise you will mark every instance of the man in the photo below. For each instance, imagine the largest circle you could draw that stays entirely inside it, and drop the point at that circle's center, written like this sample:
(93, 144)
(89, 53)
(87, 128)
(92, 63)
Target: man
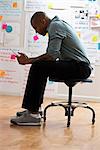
(64, 58)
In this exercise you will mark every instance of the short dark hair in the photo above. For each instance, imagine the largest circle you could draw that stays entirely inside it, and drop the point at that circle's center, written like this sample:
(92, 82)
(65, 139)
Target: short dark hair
(36, 15)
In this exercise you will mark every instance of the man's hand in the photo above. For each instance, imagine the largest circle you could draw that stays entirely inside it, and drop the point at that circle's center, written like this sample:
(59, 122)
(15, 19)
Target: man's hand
(22, 59)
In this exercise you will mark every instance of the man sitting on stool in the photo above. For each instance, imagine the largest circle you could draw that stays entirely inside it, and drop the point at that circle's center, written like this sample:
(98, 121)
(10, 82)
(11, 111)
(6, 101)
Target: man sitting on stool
(65, 57)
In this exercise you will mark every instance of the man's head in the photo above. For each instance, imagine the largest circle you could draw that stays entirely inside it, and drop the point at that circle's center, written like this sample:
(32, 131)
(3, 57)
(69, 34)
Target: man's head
(40, 22)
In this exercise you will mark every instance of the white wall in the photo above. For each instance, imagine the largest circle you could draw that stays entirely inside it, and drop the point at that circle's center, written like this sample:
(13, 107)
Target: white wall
(15, 76)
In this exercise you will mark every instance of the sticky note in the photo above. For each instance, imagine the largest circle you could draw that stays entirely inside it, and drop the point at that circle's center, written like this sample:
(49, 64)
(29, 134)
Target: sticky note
(35, 38)
(2, 73)
(98, 16)
(50, 5)
(4, 26)
(9, 28)
(94, 38)
(98, 46)
(1, 17)
(14, 5)
(13, 56)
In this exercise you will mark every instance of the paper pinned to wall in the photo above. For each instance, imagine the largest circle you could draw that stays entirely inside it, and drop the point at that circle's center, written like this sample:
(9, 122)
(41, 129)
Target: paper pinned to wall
(10, 73)
(35, 5)
(10, 23)
(95, 22)
(10, 35)
(12, 7)
(1, 34)
(90, 36)
(34, 43)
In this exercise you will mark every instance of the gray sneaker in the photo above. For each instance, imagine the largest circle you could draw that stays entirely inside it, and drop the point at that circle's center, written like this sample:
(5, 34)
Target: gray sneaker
(20, 113)
(27, 119)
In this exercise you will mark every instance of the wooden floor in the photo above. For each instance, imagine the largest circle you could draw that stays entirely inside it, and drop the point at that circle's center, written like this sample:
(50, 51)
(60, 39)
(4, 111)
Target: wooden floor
(54, 135)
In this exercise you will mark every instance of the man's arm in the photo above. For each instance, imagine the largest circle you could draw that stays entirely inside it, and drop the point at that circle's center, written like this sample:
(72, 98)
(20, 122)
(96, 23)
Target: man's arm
(23, 59)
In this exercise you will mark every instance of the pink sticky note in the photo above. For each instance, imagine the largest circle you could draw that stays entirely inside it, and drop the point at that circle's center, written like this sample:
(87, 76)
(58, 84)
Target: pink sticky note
(13, 56)
(4, 26)
(35, 38)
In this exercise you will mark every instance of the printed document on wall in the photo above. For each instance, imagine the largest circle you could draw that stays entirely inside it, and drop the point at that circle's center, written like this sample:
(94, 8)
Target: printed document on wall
(12, 35)
(34, 5)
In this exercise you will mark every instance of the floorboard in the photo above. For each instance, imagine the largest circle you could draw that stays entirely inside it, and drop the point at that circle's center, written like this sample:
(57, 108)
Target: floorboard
(53, 135)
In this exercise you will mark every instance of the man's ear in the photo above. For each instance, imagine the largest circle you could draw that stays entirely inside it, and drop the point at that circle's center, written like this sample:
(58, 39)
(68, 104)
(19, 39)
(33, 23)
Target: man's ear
(44, 21)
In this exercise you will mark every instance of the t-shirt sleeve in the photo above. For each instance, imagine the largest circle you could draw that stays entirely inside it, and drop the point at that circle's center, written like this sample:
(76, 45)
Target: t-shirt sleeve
(56, 35)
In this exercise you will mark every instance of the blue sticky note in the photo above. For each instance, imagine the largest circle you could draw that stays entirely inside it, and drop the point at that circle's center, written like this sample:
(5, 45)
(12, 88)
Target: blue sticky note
(9, 28)
(98, 46)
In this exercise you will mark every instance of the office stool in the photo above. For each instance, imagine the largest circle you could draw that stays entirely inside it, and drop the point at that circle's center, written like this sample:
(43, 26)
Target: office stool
(70, 106)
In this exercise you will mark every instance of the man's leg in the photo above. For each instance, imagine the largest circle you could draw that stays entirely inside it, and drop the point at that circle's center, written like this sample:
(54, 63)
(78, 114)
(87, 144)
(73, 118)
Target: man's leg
(37, 79)
(36, 83)
(33, 97)
(34, 92)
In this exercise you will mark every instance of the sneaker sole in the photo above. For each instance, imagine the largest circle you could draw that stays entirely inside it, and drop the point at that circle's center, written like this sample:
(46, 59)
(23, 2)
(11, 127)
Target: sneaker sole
(25, 123)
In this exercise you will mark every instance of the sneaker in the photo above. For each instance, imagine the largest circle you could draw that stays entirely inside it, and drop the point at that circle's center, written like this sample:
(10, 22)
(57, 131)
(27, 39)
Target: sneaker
(27, 119)
(20, 113)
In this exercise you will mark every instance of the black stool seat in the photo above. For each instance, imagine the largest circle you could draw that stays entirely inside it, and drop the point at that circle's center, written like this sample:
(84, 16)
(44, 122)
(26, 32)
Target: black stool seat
(70, 82)
(70, 106)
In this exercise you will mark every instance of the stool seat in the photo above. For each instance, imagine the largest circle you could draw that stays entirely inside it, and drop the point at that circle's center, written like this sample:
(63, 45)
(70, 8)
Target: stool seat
(69, 105)
(71, 82)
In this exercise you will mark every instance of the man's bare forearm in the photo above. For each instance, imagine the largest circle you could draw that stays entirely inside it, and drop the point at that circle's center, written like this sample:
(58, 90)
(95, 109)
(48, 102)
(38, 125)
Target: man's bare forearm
(44, 57)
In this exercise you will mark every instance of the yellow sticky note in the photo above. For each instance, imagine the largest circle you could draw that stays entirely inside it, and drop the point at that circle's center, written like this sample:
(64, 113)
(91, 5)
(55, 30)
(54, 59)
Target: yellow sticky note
(94, 38)
(50, 5)
(2, 73)
(98, 16)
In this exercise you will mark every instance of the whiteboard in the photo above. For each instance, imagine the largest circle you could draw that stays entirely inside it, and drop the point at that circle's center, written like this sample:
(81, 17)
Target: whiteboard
(17, 34)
